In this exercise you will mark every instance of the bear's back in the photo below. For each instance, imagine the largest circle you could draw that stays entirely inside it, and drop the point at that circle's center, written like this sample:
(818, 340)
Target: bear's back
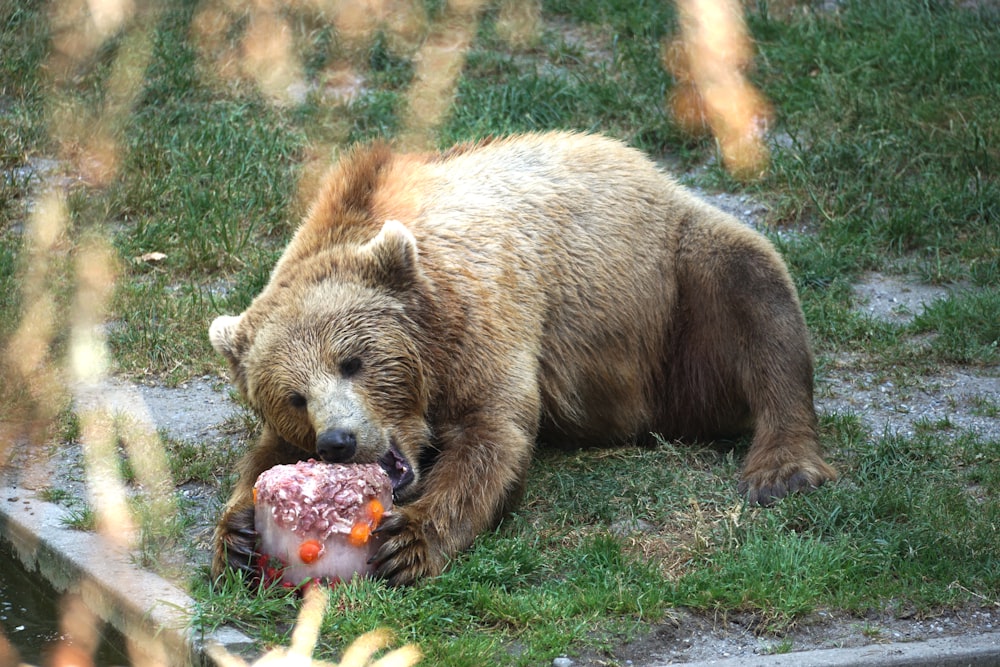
(562, 243)
(566, 211)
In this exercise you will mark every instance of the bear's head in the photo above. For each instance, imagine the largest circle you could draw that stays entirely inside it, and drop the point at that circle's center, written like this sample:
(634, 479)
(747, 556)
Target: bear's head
(330, 359)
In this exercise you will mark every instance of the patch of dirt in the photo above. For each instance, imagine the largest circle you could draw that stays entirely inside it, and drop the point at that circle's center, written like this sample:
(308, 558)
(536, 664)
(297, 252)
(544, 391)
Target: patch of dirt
(699, 638)
(894, 298)
(745, 208)
(197, 409)
(954, 399)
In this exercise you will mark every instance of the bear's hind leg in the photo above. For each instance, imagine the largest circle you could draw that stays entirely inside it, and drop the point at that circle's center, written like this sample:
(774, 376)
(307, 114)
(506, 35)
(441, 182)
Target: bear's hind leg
(720, 388)
(775, 374)
(743, 359)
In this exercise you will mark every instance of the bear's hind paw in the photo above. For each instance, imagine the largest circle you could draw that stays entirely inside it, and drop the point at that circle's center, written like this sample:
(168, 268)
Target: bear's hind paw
(766, 488)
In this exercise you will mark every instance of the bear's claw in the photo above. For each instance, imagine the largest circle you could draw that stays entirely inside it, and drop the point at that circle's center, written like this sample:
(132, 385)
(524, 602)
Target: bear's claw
(766, 488)
(237, 541)
(406, 554)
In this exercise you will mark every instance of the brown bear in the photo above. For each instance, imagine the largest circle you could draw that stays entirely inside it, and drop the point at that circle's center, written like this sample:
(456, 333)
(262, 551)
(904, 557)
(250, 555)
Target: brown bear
(440, 313)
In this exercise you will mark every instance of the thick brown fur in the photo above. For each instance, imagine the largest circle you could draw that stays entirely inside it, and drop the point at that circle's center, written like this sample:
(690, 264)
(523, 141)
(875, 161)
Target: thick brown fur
(449, 310)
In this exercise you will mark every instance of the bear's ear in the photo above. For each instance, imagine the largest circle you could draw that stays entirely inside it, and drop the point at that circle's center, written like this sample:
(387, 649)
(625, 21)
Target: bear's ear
(393, 256)
(222, 334)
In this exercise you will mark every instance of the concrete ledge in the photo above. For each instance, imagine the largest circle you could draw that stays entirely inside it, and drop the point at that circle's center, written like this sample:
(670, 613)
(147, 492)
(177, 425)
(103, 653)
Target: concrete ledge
(960, 651)
(150, 611)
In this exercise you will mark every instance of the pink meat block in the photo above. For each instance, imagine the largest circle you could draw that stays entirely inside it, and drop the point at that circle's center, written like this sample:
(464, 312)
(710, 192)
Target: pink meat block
(317, 519)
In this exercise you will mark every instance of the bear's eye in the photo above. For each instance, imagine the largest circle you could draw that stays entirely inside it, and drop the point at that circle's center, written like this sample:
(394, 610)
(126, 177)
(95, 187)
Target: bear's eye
(349, 367)
(296, 400)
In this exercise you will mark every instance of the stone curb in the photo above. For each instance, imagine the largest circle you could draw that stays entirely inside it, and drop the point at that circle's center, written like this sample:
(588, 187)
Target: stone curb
(144, 607)
(960, 651)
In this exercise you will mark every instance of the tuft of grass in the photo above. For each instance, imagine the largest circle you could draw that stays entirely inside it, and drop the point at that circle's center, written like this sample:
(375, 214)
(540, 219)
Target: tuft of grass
(889, 139)
(781, 647)
(898, 524)
(24, 41)
(777, 574)
(233, 600)
(244, 160)
(986, 406)
(55, 495)
(606, 79)
(196, 461)
(81, 518)
(966, 327)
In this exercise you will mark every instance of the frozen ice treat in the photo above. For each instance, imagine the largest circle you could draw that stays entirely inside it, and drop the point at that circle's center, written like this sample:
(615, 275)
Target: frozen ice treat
(317, 519)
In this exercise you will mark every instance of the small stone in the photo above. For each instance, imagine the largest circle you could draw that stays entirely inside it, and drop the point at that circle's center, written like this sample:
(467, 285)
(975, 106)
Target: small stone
(562, 661)
(627, 527)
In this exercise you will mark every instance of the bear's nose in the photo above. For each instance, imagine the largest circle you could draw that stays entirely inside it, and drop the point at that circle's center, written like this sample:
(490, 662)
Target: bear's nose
(336, 445)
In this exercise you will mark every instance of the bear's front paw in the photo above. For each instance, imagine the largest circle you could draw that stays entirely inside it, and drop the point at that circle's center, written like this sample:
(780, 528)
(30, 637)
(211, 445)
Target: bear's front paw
(235, 542)
(409, 551)
(764, 487)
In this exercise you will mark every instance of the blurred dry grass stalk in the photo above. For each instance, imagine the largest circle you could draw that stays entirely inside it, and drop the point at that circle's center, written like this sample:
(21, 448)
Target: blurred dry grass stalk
(438, 65)
(708, 60)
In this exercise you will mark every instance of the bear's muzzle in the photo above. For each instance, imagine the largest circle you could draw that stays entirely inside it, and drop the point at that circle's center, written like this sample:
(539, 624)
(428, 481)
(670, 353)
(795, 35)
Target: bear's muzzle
(337, 445)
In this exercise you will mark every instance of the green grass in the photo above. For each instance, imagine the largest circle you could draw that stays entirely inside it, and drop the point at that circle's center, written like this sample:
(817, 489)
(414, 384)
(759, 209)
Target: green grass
(556, 579)
(885, 153)
(892, 136)
(81, 518)
(967, 327)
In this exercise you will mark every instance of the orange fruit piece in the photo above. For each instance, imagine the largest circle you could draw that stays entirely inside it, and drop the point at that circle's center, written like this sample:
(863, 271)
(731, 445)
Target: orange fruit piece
(376, 510)
(359, 534)
(310, 550)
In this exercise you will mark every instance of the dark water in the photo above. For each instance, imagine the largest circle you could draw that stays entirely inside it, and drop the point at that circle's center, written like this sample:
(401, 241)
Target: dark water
(29, 616)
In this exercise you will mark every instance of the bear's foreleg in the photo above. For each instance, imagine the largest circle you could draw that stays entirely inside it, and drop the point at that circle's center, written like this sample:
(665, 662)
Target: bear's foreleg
(235, 536)
(475, 479)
